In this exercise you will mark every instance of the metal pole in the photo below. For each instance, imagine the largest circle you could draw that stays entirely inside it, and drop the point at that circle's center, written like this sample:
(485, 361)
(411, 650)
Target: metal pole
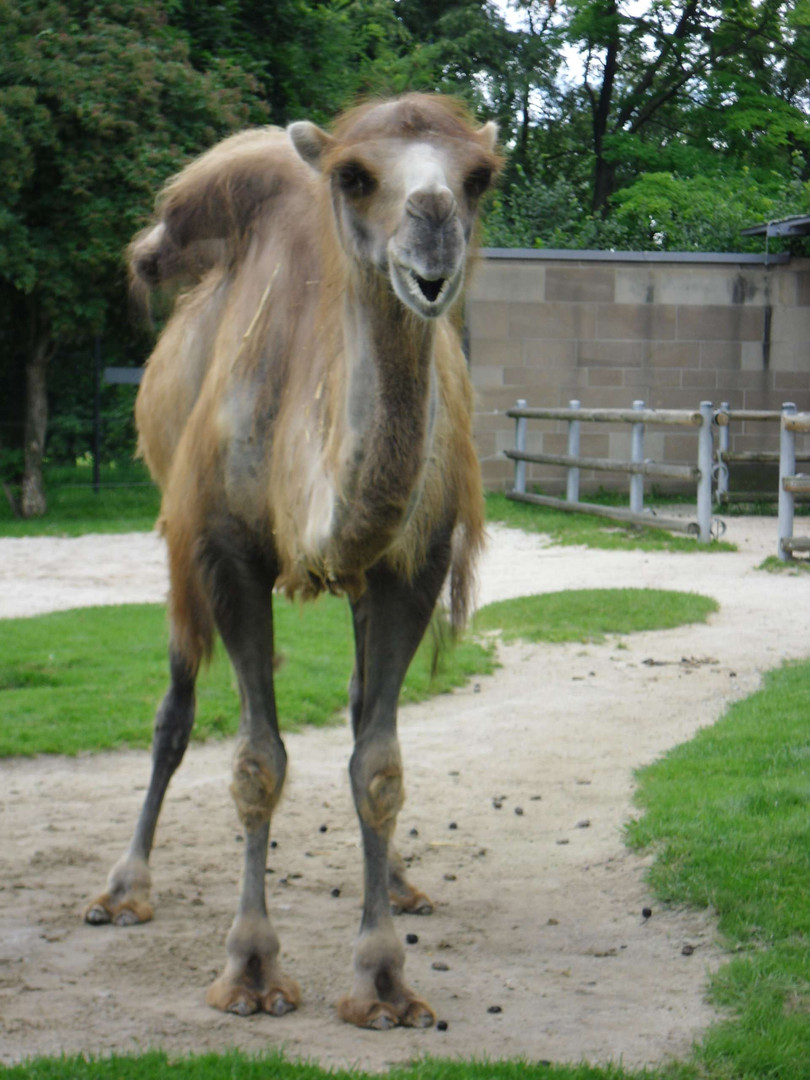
(520, 446)
(704, 487)
(724, 445)
(637, 457)
(572, 482)
(787, 467)
(97, 415)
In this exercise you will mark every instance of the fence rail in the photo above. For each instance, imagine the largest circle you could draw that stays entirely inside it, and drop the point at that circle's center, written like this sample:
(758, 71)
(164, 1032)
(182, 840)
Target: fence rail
(637, 467)
(791, 482)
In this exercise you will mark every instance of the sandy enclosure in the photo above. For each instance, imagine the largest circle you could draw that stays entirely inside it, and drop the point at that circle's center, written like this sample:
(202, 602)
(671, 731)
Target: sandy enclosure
(538, 903)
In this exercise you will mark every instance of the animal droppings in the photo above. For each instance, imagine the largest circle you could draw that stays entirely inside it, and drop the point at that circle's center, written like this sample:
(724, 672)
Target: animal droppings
(646, 912)
(494, 1009)
(519, 811)
(274, 844)
(335, 892)
(441, 1025)
(687, 950)
(452, 825)
(449, 877)
(239, 838)
(439, 965)
(584, 824)
(413, 832)
(411, 939)
(323, 828)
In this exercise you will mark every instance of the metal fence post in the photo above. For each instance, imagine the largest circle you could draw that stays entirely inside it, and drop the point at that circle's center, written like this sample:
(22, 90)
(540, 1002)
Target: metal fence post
(787, 467)
(724, 445)
(520, 446)
(572, 484)
(637, 457)
(704, 464)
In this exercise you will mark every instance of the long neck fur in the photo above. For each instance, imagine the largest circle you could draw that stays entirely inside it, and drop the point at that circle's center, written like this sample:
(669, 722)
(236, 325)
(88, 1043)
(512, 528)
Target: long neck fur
(389, 360)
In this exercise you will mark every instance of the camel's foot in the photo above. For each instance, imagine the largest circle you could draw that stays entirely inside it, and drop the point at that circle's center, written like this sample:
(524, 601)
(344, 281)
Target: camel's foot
(409, 901)
(252, 980)
(380, 999)
(403, 896)
(126, 899)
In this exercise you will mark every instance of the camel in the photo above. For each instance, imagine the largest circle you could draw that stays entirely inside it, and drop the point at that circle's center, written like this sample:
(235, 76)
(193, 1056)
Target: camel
(307, 414)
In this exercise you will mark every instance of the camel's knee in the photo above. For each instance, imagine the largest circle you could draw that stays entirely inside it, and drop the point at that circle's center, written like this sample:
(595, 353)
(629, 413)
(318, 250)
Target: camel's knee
(378, 786)
(258, 777)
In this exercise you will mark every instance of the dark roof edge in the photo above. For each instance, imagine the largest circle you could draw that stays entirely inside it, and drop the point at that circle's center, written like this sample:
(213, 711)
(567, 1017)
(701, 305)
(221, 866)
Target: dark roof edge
(705, 257)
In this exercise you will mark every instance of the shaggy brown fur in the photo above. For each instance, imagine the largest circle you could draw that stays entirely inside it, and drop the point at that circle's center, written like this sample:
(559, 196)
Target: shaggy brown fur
(307, 413)
(242, 403)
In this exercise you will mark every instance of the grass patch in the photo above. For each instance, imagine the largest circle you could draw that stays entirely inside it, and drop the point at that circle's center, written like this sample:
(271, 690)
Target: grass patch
(793, 567)
(127, 501)
(589, 530)
(90, 679)
(235, 1065)
(587, 615)
(727, 817)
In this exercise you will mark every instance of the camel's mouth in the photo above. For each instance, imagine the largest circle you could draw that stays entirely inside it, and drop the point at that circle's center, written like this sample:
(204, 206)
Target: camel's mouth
(431, 290)
(428, 296)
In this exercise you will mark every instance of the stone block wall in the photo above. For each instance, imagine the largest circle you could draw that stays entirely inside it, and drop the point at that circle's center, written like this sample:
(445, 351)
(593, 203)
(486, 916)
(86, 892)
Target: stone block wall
(610, 328)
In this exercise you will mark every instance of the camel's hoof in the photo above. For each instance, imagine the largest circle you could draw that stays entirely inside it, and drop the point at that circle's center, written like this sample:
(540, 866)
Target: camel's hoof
(418, 1015)
(127, 917)
(97, 915)
(277, 1004)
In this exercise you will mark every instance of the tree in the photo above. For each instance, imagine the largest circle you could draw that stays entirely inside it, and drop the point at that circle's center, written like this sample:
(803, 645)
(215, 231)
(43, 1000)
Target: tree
(98, 104)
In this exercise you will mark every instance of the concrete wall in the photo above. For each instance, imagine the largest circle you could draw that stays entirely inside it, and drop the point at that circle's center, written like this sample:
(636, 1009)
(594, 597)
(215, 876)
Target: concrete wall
(608, 328)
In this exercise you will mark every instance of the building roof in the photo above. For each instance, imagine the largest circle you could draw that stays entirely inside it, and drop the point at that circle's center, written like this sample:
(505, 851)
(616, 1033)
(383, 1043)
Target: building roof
(798, 225)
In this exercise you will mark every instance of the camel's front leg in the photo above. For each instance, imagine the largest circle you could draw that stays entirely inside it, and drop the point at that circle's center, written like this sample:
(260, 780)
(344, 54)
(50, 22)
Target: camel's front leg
(389, 622)
(379, 997)
(241, 588)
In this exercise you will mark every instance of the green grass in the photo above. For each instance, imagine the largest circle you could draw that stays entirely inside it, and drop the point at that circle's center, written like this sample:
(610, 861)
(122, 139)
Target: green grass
(127, 501)
(728, 817)
(90, 679)
(234, 1065)
(590, 614)
(793, 567)
(589, 530)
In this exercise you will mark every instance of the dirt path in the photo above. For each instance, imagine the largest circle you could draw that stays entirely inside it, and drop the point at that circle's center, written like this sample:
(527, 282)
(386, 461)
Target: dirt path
(538, 912)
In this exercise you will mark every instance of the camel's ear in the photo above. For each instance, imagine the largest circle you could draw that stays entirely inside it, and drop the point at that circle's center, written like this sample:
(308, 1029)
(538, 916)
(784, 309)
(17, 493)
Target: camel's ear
(310, 142)
(488, 135)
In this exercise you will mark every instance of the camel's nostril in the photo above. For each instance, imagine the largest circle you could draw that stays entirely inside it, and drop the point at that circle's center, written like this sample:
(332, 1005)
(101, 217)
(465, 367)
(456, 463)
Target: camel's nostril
(430, 289)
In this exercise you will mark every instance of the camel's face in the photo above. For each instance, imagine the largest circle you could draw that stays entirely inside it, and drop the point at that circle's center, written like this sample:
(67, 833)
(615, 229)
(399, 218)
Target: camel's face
(406, 206)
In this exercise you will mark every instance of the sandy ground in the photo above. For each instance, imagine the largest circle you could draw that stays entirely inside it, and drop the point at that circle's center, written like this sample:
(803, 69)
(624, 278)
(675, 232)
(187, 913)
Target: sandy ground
(538, 912)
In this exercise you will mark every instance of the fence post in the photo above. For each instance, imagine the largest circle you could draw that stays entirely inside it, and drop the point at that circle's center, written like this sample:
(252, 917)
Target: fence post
(787, 467)
(704, 486)
(572, 483)
(724, 445)
(520, 446)
(637, 457)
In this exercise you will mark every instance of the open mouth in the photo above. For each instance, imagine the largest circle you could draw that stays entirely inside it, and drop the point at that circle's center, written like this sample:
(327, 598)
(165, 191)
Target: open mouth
(425, 288)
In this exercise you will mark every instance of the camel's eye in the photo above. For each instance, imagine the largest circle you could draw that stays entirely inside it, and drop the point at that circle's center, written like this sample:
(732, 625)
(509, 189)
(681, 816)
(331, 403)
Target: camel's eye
(477, 181)
(354, 180)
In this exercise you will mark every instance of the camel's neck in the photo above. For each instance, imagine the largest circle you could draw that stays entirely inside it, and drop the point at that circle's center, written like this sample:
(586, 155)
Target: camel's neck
(390, 402)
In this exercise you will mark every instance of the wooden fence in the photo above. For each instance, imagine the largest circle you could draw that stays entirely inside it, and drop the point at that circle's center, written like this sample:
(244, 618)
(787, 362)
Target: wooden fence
(791, 483)
(637, 466)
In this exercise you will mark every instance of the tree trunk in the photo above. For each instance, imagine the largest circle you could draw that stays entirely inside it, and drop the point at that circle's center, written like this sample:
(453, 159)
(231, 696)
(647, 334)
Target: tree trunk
(33, 501)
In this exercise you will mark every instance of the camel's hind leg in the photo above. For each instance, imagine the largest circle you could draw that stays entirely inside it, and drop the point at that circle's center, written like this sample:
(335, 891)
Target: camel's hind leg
(390, 620)
(241, 584)
(126, 899)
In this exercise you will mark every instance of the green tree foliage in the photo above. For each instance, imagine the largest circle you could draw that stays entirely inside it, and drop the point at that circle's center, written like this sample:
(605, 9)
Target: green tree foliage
(98, 104)
(714, 96)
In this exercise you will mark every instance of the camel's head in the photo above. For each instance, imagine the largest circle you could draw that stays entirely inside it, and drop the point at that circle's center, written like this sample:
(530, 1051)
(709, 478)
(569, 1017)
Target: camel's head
(406, 178)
